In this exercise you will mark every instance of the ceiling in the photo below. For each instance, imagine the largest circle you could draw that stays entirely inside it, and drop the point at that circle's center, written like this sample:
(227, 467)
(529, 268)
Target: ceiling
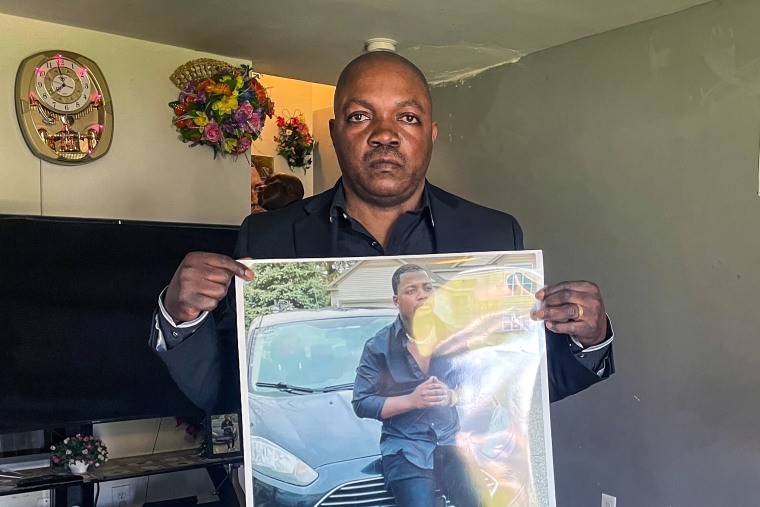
(313, 40)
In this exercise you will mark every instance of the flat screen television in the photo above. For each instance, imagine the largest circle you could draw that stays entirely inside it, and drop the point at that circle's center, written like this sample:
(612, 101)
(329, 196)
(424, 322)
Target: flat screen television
(76, 300)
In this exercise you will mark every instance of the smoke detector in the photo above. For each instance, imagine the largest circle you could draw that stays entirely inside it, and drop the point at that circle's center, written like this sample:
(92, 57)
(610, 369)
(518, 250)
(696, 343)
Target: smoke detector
(380, 44)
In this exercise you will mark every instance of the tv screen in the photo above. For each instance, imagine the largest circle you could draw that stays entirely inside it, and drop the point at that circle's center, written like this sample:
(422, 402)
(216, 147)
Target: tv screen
(76, 300)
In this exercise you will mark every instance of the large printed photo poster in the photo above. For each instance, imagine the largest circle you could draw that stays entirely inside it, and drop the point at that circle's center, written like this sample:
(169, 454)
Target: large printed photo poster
(353, 368)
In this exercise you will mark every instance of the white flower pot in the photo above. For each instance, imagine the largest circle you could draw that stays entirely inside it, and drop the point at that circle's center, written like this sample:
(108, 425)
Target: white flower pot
(78, 467)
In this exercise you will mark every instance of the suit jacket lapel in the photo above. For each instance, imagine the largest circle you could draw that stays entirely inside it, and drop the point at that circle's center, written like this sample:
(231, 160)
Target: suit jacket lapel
(312, 234)
(451, 228)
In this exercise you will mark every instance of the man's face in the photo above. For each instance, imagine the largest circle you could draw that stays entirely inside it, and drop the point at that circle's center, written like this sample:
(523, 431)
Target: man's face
(383, 132)
(415, 293)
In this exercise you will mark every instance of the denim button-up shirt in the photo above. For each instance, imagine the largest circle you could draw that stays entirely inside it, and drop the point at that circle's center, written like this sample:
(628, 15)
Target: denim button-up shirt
(388, 369)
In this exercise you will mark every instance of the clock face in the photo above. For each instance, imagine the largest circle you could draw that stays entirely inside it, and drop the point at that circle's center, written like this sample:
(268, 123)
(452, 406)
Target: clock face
(63, 85)
(64, 107)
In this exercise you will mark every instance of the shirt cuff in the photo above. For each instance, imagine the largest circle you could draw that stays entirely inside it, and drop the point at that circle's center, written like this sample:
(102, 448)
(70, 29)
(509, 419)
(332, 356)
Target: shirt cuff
(176, 333)
(598, 346)
(595, 357)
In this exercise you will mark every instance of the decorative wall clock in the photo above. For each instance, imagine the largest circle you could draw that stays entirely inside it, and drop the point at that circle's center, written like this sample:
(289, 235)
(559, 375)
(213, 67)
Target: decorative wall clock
(64, 107)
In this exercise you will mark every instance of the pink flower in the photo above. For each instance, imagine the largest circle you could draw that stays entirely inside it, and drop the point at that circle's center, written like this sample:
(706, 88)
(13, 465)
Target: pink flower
(212, 132)
(244, 144)
(255, 122)
(247, 108)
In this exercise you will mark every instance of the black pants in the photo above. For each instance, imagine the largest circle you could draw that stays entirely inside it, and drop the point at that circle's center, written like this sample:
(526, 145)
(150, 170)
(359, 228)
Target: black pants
(412, 486)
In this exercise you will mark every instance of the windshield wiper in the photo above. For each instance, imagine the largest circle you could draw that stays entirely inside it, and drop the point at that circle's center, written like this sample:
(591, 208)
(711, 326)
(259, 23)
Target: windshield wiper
(282, 386)
(338, 387)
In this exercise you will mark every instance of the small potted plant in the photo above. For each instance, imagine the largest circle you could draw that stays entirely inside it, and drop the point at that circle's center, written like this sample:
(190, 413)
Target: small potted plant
(79, 452)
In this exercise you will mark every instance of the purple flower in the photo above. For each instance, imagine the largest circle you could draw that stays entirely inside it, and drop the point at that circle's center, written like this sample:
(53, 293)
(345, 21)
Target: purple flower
(212, 133)
(229, 125)
(200, 99)
(240, 116)
(190, 86)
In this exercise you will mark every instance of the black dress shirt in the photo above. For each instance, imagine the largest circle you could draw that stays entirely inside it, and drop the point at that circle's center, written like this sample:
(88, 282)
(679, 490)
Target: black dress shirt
(411, 235)
(387, 369)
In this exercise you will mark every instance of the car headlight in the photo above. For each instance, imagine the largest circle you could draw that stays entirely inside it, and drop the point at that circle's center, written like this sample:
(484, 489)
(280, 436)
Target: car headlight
(274, 461)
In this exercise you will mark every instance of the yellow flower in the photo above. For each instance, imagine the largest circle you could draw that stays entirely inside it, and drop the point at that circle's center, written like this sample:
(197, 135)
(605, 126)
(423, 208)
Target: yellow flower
(230, 145)
(201, 120)
(238, 83)
(288, 132)
(225, 105)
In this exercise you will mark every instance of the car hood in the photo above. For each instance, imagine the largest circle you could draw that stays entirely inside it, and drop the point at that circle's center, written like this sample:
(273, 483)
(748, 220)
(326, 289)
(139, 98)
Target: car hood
(319, 428)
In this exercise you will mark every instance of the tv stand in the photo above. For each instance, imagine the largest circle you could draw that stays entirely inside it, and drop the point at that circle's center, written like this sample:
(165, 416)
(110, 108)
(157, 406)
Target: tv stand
(115, 469)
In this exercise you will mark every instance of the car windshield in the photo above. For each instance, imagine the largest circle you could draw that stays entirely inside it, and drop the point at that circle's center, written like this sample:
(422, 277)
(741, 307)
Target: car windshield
(313, 354)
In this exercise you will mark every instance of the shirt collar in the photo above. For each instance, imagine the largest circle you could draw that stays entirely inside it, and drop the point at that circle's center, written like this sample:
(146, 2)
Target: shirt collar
(398, 335)
(338, 206)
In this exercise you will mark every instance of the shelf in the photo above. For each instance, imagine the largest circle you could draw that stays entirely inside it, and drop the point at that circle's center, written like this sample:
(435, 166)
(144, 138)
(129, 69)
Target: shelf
(117, 469)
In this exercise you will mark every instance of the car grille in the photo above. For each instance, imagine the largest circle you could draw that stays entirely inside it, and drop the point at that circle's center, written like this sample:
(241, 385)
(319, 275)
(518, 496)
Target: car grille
(364, 493)
(372, 493)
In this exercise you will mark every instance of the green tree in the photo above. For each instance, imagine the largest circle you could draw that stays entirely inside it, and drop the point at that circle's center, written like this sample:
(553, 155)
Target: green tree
(287, 285)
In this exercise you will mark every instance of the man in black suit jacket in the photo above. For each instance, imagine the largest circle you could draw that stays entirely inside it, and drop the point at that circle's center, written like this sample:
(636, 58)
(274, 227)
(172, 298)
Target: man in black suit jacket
(383, 135)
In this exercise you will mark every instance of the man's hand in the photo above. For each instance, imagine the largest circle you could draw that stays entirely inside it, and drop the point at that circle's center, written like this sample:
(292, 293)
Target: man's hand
(199, 283)
(431, 393)
(574, 308)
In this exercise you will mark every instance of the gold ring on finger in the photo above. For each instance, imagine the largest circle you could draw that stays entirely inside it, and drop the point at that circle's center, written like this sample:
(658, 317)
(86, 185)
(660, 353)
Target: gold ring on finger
(580, 312)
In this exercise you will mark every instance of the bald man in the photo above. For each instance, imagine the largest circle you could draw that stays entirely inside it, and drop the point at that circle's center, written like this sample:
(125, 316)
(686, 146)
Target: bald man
(383, 133)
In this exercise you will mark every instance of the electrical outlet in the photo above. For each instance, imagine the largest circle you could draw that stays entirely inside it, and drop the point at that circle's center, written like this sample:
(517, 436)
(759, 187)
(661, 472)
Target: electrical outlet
(120, 495)
(608, 500)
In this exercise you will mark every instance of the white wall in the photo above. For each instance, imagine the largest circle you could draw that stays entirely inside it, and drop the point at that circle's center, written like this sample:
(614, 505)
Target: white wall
(148, 174)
